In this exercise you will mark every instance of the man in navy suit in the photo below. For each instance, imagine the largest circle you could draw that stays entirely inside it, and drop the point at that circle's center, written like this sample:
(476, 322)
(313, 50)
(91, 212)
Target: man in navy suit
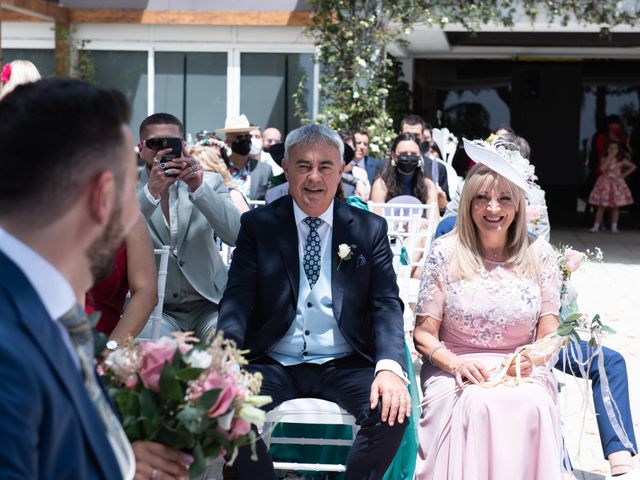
(312, 294)
(371, 165)
(67, 199)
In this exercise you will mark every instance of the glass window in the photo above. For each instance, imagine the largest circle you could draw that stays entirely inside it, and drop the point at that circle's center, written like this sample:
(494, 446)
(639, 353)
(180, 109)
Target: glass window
(42, 59)
(127, 72)
(193, 87)
(267, 85)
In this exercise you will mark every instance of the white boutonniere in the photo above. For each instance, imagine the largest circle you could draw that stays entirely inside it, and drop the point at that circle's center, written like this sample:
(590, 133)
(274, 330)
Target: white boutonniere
(345, 253)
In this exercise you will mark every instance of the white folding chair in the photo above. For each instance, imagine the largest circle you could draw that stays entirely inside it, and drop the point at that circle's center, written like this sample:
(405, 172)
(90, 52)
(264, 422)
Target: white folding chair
(405, 216)
(309, 411)
(256, 203)
(156, 315)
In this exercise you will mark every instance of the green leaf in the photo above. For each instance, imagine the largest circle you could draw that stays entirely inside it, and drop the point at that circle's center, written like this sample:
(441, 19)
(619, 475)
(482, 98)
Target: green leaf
(191, 418)
(148, 404)
(190, 373)
(573, 318)
(607, 329)
(207, 399)
(127, 402)
(177, 438)
(565, 329)
(199, 464)
(169, 385)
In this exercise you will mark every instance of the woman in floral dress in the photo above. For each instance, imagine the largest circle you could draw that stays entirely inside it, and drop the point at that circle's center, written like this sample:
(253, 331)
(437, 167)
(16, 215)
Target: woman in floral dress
(487, 289)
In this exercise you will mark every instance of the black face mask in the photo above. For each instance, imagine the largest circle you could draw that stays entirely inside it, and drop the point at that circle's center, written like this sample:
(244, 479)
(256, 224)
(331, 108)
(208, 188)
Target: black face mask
(241, 146)
(407, 163)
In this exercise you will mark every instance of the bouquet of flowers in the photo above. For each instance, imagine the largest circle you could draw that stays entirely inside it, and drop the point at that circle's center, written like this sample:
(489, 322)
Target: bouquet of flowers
(190, 396)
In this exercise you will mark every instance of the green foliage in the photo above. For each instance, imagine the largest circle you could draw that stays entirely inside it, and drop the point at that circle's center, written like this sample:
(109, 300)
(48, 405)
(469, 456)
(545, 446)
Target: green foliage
(360, 82)
(78, 64)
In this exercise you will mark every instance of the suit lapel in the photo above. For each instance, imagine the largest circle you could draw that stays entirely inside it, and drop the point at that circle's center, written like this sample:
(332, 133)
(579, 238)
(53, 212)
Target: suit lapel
(46, 336)
(342, 220)
(287, 234)
(185, 208)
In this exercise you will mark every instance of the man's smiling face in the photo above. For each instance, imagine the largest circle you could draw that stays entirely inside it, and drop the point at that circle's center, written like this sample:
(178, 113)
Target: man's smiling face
(314, 172)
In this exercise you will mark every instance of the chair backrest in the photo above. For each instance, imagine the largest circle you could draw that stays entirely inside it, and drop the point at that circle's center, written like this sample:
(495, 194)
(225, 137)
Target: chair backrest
(309, 411)
(156, 315)
(256, 203)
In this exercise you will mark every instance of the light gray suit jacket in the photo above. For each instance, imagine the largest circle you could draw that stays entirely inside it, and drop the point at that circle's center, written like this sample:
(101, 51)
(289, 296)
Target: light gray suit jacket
(198, 258)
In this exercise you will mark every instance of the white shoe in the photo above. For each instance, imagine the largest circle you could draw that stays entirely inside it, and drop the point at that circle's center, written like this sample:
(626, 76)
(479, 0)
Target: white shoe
(594, 229)
(631, 475)
(615, 231)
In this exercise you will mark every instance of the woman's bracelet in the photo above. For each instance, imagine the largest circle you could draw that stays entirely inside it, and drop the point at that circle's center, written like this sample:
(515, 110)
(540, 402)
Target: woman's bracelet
(434, 351)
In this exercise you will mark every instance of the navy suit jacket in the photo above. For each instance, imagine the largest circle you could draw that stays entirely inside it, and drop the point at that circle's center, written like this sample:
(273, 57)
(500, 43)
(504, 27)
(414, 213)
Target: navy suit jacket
(373, 166)
(49, 427)
(259, 303)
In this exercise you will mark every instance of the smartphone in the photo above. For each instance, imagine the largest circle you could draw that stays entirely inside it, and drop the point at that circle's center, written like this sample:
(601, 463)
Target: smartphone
(162, 143)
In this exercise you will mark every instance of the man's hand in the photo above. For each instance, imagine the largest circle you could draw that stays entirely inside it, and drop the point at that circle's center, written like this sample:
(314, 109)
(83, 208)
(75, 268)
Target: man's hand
(192, 172)
(396, 401)
(155, 461)
(160, 176)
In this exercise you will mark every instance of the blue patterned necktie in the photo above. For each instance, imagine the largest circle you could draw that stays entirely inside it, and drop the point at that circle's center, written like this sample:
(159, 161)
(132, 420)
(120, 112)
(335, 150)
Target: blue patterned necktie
(311, 259)
(77, 324)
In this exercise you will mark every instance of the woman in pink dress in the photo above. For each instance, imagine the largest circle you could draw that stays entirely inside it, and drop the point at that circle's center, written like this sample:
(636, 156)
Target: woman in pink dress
(610, 190)
(487, 289)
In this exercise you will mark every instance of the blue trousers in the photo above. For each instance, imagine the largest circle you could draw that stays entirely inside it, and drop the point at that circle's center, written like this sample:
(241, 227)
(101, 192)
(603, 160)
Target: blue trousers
(616, 369)
(345, 381)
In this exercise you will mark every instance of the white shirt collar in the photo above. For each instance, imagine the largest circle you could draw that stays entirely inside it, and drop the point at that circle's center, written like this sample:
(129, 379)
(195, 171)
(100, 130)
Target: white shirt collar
(299, 215)
(52, 287)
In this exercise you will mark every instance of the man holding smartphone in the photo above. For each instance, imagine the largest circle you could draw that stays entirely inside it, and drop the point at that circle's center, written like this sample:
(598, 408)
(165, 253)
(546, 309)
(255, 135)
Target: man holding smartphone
(185, 207)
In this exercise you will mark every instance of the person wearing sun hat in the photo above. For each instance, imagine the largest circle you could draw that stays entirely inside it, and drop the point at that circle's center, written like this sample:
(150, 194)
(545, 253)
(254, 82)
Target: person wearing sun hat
(488, 288)
(537, 214)
(252, 176)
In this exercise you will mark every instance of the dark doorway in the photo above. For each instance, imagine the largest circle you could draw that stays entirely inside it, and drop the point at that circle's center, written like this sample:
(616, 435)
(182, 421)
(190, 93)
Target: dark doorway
(558, 107)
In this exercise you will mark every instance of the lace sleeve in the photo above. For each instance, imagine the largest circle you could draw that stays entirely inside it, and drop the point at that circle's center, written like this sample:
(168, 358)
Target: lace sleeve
(433, 284)
(549, 280)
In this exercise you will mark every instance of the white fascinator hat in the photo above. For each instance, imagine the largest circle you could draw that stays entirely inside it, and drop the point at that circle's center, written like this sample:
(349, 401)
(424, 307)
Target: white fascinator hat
(508, 163)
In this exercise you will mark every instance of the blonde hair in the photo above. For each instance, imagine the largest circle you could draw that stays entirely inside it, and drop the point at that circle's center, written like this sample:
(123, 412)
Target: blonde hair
(212, 162)
(467, 253)
(22, 71)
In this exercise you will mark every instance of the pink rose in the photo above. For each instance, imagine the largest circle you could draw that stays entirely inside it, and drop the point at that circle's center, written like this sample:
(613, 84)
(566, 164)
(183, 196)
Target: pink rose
(534, 213)
(239, 427)
(572, 260)
(154, 356)
(228, 392)
(131, 382)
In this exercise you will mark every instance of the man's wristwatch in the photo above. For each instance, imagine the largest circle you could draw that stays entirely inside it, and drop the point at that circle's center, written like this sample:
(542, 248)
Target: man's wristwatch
(112, 345)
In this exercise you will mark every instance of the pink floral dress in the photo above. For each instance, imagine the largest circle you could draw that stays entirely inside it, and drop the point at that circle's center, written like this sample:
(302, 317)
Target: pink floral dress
(610, 189)
(489, 433)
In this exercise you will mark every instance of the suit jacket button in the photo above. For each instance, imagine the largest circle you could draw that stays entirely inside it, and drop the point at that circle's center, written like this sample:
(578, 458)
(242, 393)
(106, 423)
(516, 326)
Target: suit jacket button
(175, 295)
(307, 332)
(304, 353)
(181, 263)
(309, 304)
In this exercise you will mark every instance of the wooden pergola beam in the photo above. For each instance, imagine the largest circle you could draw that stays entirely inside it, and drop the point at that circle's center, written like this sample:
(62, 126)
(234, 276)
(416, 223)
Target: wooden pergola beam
(37, 9)
(189, 17)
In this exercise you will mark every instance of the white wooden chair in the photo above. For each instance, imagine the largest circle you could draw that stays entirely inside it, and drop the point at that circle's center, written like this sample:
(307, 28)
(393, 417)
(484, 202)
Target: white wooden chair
(308, 411)
(156, 315)
(405, 218)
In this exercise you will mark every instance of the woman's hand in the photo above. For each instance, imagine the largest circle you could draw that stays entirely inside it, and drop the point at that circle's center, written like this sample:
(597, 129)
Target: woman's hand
(526, 366)
(472, 370)
(442, 198)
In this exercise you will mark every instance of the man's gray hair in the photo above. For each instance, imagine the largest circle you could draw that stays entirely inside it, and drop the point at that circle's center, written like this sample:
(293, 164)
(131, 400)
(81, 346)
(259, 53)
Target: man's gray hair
(312, 135)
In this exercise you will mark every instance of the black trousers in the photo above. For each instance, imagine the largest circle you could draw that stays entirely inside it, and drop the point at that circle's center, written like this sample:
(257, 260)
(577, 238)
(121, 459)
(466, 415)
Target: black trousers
(345, 381)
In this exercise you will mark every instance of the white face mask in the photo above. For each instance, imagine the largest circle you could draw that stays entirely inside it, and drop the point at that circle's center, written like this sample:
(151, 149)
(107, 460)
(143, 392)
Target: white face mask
(256, 147)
